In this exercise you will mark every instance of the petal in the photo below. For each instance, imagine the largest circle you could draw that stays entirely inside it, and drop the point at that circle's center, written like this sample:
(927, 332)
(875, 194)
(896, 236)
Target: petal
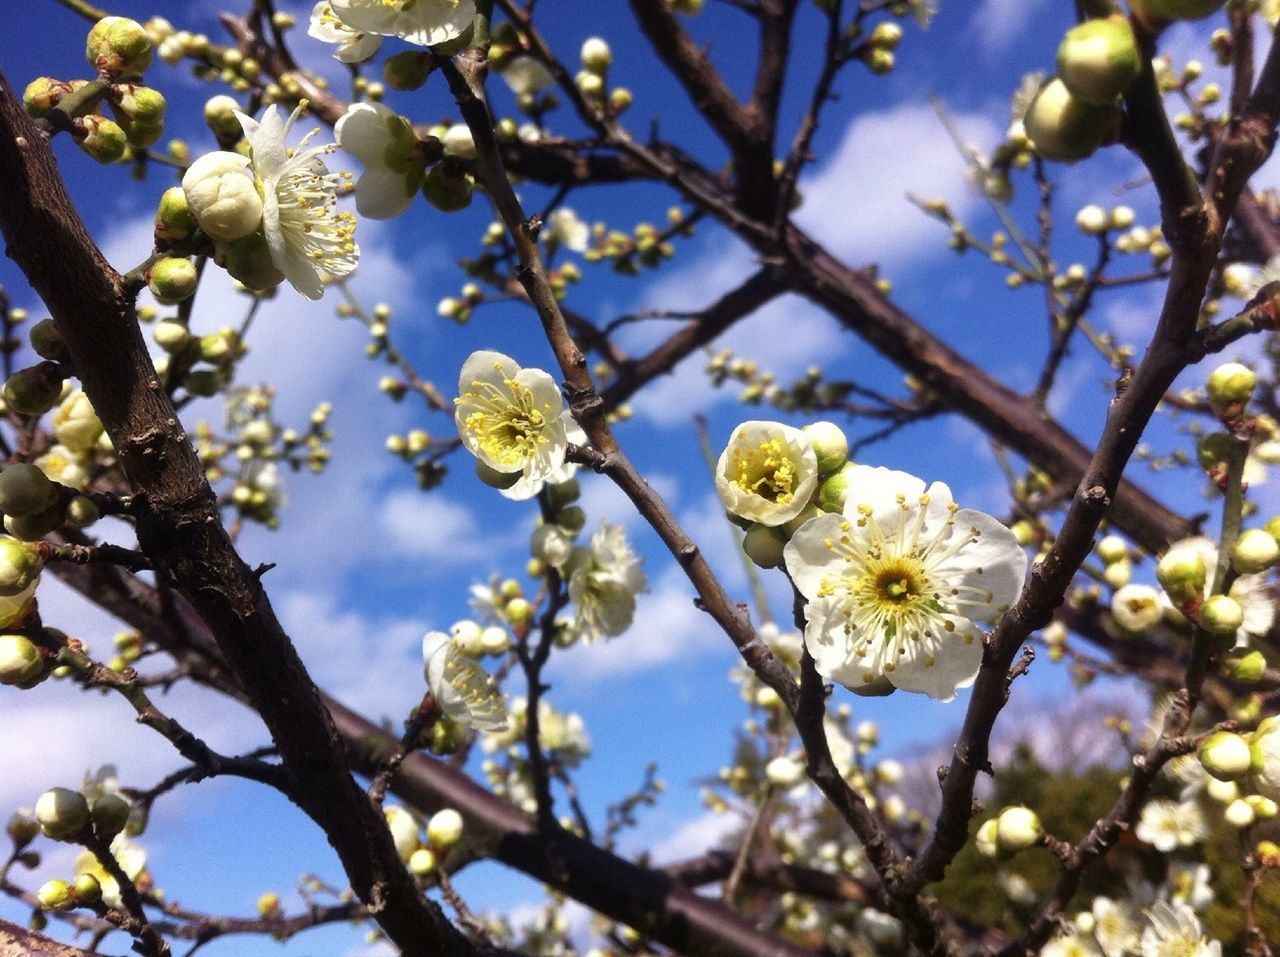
(938, 665)
(878, 489)
(300, 271)
(807, 557)
(382, 193)
(995, 562)
(359, 48)
(362, 131)
(835, 654)
(486, 366)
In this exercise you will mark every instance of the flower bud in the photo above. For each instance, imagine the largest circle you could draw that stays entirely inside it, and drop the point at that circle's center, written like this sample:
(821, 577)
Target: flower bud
(29, 528)
(203, 382)
(1230, 386)
(56, 895)
(784, 772)
(110, 815)
(1017, 828)
(1264, 758)
(596, 55)
(20, 660)
(830, 445)
(1268, 853)
(174, 220)
(447, 192)
(1092, 220)
(1248, 668)
(1136, 608)
(444, 829)
(172, 279)
(764, 545)
(620, 99)
(24, 490)
(248, 261)
(222, 196)
(47, 341)
(408, 70)
(118, 47)
(103, 140)
(447, 736)
(62, 812)
(1156, 14)
(573, 519)
(171, 335)
(493, 478)
(139, 104)
(495, 640)
(88, 889)
(1098, 60)
(220, 117)
(1225, 755)
(81, 512)
(984, 841)
(423, 862)
(1182, 573)
(22, 827)
(1221, 615)
(1112, 548)
(886, 35)
(20, 567)
(1254, 551)
(33, 391)
(1239, 813)
(1263, 807)
(590, 85)
(1064, 128)
(42, 94)
(834, 489)
(1117, 574)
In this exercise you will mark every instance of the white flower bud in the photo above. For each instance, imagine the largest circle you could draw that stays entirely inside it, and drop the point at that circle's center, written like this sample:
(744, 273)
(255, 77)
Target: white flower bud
(222, 196)
(458, 141)
(444, 829)
(404, 830)
(1238, 814)
(220, 115)
(171, 335)
(62, 812)
(495, 640)
(1122, 217)
(56, 895)
(1112, 548)
(1065, 128)
(1092, 220)
(20, 660)
(1182, 573)
(1117, 574)
(1098, 59)
(596, 55)
(784, 772)
(985, 839)
(1254, 551)
(422, 862)
(1221, 615)
(1230, 386)
(830, 445)
(1225, 755)
(1017, 828)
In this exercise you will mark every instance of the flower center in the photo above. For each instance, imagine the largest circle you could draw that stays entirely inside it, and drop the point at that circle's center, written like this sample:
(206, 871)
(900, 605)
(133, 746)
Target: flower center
(507, 426)
(766, 470)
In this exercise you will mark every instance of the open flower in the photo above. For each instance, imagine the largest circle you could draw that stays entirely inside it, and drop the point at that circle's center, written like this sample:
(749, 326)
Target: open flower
(1168, 825)
(526, 488)
(353, 45)
(604, 579)
(394, 165)
(306, 235)
(767, 473)
(564, 226)
(510, 418)
(463, 690)
(895, 586)
(421, 22)
(527, 76)
(1175, 931)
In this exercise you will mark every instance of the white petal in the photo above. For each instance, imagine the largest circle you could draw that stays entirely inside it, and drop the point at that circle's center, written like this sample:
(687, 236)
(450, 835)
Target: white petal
(362, 131)
(878, 488)
(939, 665)
(807, 557)
(995, 562)
(382, 193)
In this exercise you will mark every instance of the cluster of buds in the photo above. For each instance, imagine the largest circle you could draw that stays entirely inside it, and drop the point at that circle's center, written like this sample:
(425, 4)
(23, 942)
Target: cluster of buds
(202, 364)
(66, 815)
(877, 50)
(1093, 220)
(458, 309)
(35, 505)
(647, 247)
(1014, 829)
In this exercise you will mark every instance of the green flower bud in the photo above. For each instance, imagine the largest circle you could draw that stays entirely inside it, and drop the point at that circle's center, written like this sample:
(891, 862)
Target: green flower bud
(140, 134)
(172, 279)
(103, 139)
(620, 99)
(1182, 573)
(572, 519)
(763, 544)
(886, 35)
(444, 829)
(1273, 527)
(1099, 60)
(830, 445)
(47, 341)
(447, 192)
(1264, 809)
(173, 216)
(203, 382)
(139, 104)
(56, 895)
(248, 261)
(495, 479)
(29, 528)
(110, 814)
(1017, 828)
(835, 489)
(1221, 615)
(985, 840)
(25, 490)
(596, 55)
(220, 117)
(1230, 386)
(1214, 449)
(88, 889)
(171, 335)
(423, 862)
(22, 828)
(1248, 668)
(564, 493)
(81, 512)
(407, 70)
(118, 47)
(215, 348)
(42, 94)
(20, 567)
(590, 85)
(1157, 14)
(880, 61)
(518, 611)
(1064, 128)
(20, 660)
(1225, 755)
(35, 390)
(1254, 551)
(62, 813)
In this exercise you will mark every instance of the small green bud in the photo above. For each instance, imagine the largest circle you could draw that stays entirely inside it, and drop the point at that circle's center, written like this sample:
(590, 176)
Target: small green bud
(62, 813)
(1098, 60)
(1225, 755)
(518, 611)
(1017, 828)
(886, 35)
(81, 512)
(34, 390)
(407, 70)
(47, 341)
(423, 862)
(203, 382)
(590, 85)
(139, 104)
(830, 445)
(1064, 128)
(444, 830)
(447, 192)
(174, 220)
(248, 261)
(620, 99)
(879, 60)
(22, 828)
(1254, 551)
(1214, 449)
(172, 279)
(88, 889)
(763, 544)
(1157, 14)
(572, 519)
(215, 348)
(110, 814)
(171, 335)
(596, 55)
(220, 117)
(29, 528)
(20, 660)
(25, 490)
(20, 567)
(1221, 615)
(493, 478)
(56, 895)
(118, 47)
(42, 94)
(564, 493)
(1230, 386)
(103, 140)
(1247, 668)
(835, 489)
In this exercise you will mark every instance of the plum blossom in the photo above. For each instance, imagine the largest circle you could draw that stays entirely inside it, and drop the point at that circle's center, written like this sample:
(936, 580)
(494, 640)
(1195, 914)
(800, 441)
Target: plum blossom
(353, 45)
(604, 579)
(463, 690)
(394, 164)
(767, 473)
(420, 22)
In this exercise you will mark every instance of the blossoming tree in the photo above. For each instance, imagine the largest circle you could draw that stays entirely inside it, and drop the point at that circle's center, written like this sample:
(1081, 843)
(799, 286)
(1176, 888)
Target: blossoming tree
(1101, 556)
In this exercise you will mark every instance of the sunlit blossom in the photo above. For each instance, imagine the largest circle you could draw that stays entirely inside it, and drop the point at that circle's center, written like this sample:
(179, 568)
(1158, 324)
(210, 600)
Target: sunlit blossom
(1175, 931)
(463, 690)
(767, 472)
(353, 45)
(394, 164)
(421, 22)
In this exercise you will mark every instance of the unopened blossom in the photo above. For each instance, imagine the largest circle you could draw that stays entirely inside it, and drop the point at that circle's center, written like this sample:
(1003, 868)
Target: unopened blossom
(1167, 825)
(896, 586)
(1249, 590)
(604, 579)
(394, 164)
(421, 22)
(132, 859)
(1136, 607)
(306, 235)
(767, 473)
(75, 424)
(354, 46)
(462, 689)
(527, 76)
(221, 195)
(510, 418)
(1175, 931)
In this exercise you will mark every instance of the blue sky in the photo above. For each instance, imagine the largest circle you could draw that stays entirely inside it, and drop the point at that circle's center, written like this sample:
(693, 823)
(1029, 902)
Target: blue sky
(366, 564)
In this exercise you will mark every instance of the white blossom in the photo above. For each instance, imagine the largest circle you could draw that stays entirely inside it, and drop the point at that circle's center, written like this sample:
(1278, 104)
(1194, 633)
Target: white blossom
(895, 586)
(526, 488)
(525, 75)
(604, 579)
(394, 167)
(354, 46)
(1167, 825)
(75, 424)
(463, 690)
(1136, 607)
(421, 22)
(564, 226)
(1115, 926)
(1175, 931)
(767, 472)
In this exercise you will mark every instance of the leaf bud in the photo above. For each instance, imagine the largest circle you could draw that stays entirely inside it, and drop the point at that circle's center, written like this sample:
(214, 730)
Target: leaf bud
(20, 660)
(444, 829)
(1221, 615)
(62, 812)
(103, 139)
(1225, 755)
(1098, 60)
(56, 895)
(118, 47)
(1017, 828)
(34, 390)
(1065, 128)
(447, 192)
(25, 490)
(172, 279)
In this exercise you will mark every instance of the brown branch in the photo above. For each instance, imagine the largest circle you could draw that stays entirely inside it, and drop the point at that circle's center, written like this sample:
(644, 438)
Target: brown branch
(17, 941)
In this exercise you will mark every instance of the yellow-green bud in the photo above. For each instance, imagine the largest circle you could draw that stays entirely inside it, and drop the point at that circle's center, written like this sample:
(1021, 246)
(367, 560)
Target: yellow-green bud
(1221, 615)
(42, 95)
(1157, 14)
(1225, 755)
(171, 335)
(22, 828)
(1118, 574)
(985, 841)
(174, 220)
(88, 889)
(1065, 128)
(248, 261)
(1254, 551)
(763, 544)
(56, 895)
(1017, 828)
(202, 382)
(1098, 60)
(172, 280)
(1214, 449)
(31, 527)
(830, 445)
(620, 99)
(110, 815)
(596, 55)
(269, 905)
(34, 390)
(47, 341)
(408, 70)
(62, 812)
(220, 117)
(82, 512)
(423, 862)
(1264, 808)
(447, 191)
(835, 489)
(20, 660)
(118, 47)
(1182, 573)
(139, 104)
(447, 736)
(879, 60)
(590, 85)
(886, 35)
(1239, 813)
(1248, 668)
(20, 566)
(1230, 387)
(103, 140)
(444, 829)
(25, 490)
(518, 611)
(215, 347)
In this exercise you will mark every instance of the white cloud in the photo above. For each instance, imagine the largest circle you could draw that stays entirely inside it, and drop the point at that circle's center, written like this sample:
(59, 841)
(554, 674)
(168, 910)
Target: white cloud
(996, 23)
(703, 833)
